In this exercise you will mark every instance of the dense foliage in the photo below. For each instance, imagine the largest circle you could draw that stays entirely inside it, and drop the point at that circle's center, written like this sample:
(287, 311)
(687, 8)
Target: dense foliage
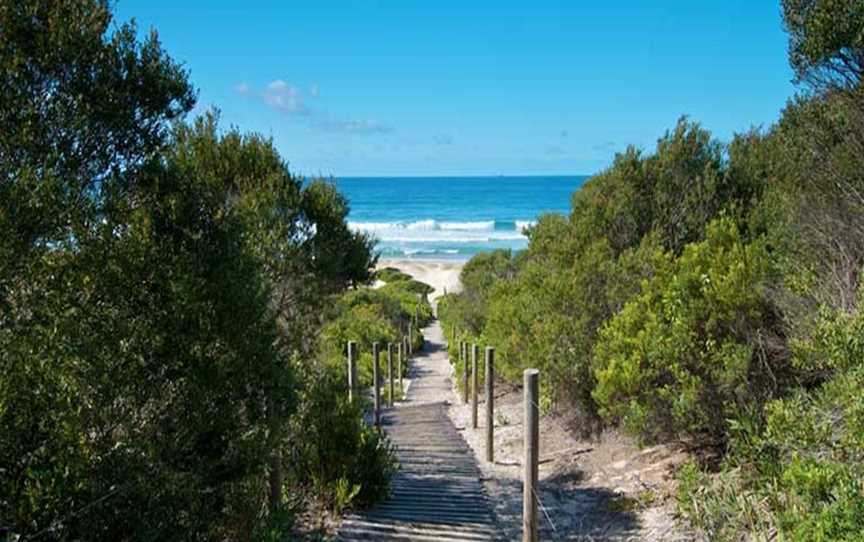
(384, 315)
(711, 293)
(161, 294)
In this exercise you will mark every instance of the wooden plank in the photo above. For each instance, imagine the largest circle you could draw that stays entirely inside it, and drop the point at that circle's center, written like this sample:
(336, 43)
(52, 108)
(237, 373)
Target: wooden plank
(437, 493)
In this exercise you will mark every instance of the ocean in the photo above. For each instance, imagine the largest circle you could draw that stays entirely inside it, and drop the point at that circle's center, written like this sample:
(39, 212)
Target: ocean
(452, 217)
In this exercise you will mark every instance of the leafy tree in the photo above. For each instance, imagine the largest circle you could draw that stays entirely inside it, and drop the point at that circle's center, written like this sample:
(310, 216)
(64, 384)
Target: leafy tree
(676, 191)
(341, 256)
(154, 285)
(826, 41)
(81, 111)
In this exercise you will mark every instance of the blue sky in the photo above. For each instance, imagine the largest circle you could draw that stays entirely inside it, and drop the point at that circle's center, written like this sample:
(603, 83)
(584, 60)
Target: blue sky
(457, 87)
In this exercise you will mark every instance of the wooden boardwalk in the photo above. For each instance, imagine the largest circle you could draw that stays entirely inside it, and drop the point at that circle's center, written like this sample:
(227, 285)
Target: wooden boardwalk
(437, 493)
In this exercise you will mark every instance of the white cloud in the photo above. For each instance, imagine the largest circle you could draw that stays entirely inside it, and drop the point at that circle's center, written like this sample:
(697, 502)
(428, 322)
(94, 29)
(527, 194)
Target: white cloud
(283, 97)
(291, 101)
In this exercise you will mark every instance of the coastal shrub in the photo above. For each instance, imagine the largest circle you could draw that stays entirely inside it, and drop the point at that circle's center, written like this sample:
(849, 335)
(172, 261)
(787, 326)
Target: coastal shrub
(530, 323)
(800, 471)
(544, 308)
(794, 467)
(478, 277)
(417, 287)
(157, 345)
(548, 318)
(674, 192)
(156, 277)
(391, 274)
(411, 303)
(337, 458)
(340, 257)
(365, 324)
(367, 315)
(697, 346)
(819, 442)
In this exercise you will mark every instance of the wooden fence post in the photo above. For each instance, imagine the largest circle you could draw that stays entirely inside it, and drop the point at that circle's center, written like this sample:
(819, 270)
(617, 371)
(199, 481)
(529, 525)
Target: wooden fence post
(532, 444)
(352, 370)
(400, 356)
(490, 404)
(464, 357)
(376, 394)
(391, 399)
(475, 353)
(410, 339)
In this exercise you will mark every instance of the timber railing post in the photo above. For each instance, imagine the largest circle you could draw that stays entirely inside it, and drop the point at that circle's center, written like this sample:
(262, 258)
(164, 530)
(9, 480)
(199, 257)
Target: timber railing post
(490, 404)
(352, 369)
(376, 394)
(391, 397)
(475, 353)
(532, 443)
(399, 357)
(464, 357)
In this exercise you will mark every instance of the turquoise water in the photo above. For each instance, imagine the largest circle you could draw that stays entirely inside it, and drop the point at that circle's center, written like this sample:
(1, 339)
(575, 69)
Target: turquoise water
(452, 217)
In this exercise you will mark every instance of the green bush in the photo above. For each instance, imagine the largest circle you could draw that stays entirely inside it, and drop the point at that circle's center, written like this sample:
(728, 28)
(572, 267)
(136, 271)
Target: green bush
(411, 303)
(336, 457)
(799, 473)
(391, 274)
(369, 315)
(155, 278)
(693, 349)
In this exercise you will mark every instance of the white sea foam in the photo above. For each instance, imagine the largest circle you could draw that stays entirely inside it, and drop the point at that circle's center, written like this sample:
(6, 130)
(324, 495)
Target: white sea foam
(522, 224)
(433, 231)
(424, 225)
(420, 251)
(486, 225)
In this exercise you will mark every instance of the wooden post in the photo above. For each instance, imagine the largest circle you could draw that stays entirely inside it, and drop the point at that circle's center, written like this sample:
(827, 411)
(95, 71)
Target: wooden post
(275, 481)
(464, 357)
(490, 404)
(410, 337)
(532, 445)
(475, 353)
(376, 394)
(400, 356)
(352, 369)
(391, 396)
(417, 318)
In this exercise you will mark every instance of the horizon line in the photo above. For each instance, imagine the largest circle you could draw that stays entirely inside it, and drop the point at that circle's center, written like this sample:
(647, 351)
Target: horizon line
(491, 176)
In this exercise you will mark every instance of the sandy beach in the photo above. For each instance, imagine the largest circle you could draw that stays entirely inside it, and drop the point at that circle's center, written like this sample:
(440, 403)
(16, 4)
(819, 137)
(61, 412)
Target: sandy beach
(443, 275)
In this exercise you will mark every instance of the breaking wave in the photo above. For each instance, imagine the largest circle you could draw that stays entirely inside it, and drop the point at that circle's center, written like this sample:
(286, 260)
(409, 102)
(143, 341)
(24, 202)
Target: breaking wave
(431, 231)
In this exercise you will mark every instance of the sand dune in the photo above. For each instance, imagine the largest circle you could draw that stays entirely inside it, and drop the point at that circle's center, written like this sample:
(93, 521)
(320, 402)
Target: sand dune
(443, 275)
